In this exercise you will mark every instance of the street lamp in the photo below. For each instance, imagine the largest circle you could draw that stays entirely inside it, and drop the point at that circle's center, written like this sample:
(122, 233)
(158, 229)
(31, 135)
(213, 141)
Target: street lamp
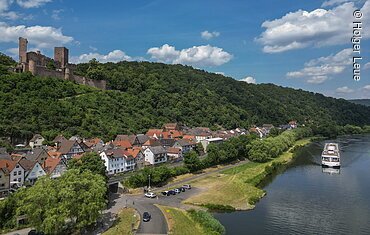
(149, 183)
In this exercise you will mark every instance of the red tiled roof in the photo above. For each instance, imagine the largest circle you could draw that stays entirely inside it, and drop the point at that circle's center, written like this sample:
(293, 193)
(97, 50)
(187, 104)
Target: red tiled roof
(91, 142)
(123, 143)
(50, 164)
(152, 132)
(133, 152)
(152, 142)
(189, 137)
(173, 150)
(8, 164)
(54, 154)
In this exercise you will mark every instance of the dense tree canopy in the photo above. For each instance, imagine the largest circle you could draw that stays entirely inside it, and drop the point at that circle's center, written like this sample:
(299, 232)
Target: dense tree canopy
(77, 198)
(146, 95)
(89, 161)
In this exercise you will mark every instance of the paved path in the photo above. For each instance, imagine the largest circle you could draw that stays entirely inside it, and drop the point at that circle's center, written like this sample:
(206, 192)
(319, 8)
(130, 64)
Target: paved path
(158, 223)
(20, 232)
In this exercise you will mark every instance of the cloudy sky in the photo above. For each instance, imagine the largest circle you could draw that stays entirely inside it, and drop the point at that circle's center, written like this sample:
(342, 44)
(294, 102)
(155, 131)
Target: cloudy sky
(300, 44)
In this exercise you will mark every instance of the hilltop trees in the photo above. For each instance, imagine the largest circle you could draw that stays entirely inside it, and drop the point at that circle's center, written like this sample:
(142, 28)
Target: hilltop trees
(146, 95)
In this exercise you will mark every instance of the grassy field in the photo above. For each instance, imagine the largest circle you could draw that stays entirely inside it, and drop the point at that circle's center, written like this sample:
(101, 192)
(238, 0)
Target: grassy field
(126, 218)
(236, 187)
(180, 223)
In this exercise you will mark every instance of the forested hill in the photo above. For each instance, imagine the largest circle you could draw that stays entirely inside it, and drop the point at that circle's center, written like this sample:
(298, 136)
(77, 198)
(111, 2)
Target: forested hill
(146, 95)
(365, 102)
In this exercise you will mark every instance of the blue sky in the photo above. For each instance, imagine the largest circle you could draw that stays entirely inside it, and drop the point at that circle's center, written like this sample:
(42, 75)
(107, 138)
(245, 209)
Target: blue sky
(295, 43)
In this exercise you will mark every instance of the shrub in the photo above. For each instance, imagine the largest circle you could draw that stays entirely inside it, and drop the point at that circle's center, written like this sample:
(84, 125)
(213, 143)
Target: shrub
(218, 207)
(207, 221)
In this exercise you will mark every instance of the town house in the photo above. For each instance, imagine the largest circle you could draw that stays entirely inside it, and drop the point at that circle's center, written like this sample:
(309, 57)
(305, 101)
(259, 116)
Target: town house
(155, 155)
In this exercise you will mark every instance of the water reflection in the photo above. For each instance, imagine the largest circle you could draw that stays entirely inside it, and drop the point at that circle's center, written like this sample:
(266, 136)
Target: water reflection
(330, 170)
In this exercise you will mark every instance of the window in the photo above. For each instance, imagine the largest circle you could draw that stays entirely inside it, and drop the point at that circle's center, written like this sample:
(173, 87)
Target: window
(19, 172)
(1, 176)
(17, 166)
(2, 185)
(15, 173)
(19, 179)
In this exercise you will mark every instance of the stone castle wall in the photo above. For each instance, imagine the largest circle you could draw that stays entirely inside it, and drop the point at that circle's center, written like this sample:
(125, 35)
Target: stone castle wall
(45, 72)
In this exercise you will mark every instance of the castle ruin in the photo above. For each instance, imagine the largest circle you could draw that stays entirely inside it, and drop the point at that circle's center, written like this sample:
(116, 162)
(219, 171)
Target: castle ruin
(41, 65)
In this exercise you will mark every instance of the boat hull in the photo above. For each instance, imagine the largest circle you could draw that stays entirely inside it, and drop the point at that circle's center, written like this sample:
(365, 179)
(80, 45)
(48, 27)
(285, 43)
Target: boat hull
(331, 164)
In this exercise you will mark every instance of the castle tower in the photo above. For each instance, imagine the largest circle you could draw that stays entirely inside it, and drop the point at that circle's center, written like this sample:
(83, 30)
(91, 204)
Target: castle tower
(22, 50)
(67, 74)
(32, 67)
(61, 56)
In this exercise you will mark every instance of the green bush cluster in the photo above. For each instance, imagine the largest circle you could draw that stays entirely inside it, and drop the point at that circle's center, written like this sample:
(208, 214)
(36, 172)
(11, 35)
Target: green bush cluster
(207, 221)
(218, 207)
(263, 150)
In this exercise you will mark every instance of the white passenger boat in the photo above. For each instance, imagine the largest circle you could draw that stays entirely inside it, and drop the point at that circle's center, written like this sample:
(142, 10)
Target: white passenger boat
(330, 156)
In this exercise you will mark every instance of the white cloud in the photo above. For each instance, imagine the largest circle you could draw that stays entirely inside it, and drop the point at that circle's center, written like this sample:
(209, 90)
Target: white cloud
(5, 4)
(32, 3)
(366, 88)
(248, 80)
(93, 48)
(367, 65)
(55, 14)
(196, 55)
(317, 28)
(113, 56)
(10, 15)
(329, 3)
(40, 36)
(165, 53)
(345, 90)
(209, 35)
(319, 70)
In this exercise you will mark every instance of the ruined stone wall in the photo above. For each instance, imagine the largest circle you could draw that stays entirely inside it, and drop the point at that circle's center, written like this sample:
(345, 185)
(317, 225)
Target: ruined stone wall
(44, 72)
(100, 84)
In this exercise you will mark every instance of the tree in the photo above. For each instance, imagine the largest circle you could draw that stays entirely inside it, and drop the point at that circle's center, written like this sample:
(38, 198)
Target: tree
(89, 161)
(76, 198)
(199, 149)
(192, 161)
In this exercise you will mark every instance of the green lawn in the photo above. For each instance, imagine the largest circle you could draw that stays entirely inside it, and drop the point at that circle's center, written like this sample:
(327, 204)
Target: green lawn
(236, 187)
(180, 223)
(126, 218)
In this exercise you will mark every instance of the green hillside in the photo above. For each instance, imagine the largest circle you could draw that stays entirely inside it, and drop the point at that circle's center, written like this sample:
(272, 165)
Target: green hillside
(365, 102)
(146, 95)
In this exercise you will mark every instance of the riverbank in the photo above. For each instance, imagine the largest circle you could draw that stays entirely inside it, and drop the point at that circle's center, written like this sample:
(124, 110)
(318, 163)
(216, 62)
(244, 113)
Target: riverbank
(191, 222)
(236, 188)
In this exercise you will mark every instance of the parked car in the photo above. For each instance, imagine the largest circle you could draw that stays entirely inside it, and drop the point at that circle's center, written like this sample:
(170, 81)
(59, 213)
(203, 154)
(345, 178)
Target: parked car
(150, 195)
(35, 232)
(177, 190)
(166, 193)
(172, 192)
(182, 189)
(187, 186)
(146, 216)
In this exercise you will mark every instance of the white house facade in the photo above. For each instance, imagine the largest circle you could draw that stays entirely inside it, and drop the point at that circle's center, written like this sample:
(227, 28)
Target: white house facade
(155, 155)
(36, 172)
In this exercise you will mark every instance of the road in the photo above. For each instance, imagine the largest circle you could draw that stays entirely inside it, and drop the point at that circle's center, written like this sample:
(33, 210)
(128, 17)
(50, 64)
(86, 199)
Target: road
(158, 224)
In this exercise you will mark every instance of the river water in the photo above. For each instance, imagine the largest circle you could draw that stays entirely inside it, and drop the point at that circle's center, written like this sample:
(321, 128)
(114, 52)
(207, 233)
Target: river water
(309, 199)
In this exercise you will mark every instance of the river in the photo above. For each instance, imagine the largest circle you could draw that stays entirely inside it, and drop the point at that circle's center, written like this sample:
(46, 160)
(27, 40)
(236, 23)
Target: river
(309, 199)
